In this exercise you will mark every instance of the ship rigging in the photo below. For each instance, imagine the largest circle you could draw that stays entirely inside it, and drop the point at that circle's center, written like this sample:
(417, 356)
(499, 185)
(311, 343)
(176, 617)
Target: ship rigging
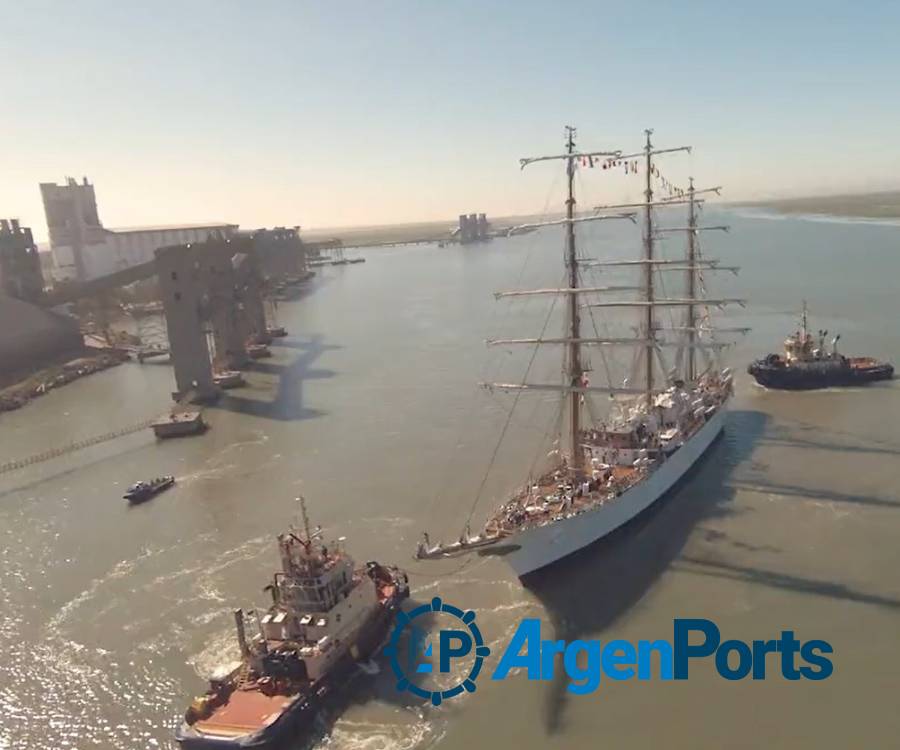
(661, 423)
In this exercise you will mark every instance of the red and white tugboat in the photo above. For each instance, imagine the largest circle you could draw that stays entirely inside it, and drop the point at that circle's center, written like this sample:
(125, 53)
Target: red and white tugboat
(327, 615)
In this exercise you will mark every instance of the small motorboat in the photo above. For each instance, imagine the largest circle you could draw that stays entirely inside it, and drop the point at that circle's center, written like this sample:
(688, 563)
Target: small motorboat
(141, 491)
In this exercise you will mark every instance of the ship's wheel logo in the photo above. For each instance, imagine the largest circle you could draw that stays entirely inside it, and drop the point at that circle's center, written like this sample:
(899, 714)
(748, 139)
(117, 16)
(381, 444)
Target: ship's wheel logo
(459, 655)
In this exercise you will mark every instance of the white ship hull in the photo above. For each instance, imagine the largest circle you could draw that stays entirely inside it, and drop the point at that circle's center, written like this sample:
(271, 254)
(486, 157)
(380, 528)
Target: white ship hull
(538, 547)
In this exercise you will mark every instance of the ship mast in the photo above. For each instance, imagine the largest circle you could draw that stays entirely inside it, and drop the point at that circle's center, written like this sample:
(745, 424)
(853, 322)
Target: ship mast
(648, 257)
(692, 281)
(575, 371)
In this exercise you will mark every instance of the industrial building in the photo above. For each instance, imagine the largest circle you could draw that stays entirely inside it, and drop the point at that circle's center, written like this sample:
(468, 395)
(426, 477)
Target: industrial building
(472, 228)
(280, 252)
(21, 275)
(84, 249)
(30, 334)
(214, 282)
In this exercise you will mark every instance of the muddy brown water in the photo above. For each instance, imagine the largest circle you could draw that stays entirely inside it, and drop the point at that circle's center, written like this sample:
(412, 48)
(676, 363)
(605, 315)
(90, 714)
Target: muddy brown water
(111, 614)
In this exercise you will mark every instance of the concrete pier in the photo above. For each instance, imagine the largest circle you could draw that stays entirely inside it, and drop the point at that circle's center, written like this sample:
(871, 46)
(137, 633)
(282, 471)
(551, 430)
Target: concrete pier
(213, 296)
(184, 285)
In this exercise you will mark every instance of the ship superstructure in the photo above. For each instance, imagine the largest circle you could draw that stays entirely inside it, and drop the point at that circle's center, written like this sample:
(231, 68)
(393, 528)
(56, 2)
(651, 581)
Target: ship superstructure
(611, 469)
(326, 615)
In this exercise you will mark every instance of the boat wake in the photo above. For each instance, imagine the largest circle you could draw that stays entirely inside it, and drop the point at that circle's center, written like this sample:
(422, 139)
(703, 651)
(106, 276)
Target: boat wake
(413, 729)
(369, 667)
(771, 215)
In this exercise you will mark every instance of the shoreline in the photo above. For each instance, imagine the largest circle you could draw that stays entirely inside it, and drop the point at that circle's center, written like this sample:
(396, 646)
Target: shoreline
(20, 389)
(872, 206)
(878, 206)
(385, 235)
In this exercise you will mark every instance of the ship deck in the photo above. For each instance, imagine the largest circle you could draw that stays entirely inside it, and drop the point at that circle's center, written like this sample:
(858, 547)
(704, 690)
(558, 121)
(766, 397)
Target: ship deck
(537, 509)
(245, 712)
(532, 508)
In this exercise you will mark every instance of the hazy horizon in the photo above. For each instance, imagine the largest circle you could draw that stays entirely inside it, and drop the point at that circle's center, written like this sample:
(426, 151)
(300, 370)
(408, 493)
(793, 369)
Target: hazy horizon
(367, 115)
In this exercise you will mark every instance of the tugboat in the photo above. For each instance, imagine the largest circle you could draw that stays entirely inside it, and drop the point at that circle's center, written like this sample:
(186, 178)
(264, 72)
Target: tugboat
(327, 616)
(807, 364)
(141, 491)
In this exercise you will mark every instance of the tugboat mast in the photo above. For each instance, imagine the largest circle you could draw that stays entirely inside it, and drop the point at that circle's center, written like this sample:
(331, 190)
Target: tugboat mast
(575, 371)
(304, 518)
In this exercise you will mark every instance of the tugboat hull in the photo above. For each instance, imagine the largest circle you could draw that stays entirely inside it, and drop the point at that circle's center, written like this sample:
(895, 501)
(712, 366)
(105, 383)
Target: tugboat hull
(809, 376)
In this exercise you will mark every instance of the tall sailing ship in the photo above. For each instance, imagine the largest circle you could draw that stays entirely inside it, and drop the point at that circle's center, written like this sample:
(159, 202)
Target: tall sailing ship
(609, 471)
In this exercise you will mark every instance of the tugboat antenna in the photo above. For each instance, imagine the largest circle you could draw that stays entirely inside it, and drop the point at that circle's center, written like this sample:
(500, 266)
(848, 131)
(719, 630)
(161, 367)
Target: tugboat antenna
(304, 518)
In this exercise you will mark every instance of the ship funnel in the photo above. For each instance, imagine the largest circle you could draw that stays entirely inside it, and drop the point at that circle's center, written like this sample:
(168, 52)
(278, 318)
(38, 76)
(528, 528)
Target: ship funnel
(241, 633)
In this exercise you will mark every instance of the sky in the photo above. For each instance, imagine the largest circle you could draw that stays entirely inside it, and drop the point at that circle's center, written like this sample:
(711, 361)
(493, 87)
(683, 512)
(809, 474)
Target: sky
(356, 112)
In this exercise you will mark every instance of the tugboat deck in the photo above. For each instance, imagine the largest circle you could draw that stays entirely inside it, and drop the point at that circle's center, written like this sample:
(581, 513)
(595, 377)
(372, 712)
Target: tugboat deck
(862, 363)
(245, 712)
